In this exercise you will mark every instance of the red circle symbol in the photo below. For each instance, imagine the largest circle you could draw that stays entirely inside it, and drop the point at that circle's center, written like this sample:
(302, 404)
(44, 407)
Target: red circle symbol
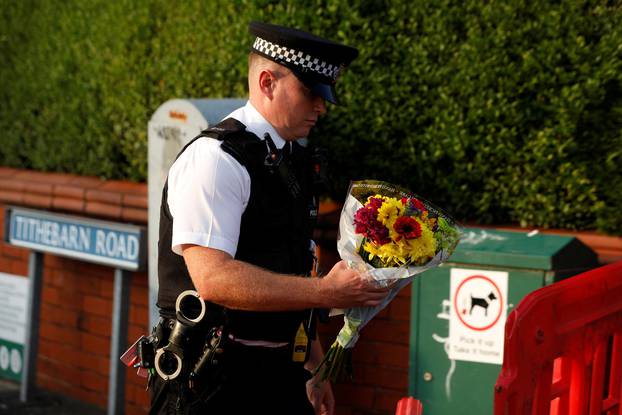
(499, 296)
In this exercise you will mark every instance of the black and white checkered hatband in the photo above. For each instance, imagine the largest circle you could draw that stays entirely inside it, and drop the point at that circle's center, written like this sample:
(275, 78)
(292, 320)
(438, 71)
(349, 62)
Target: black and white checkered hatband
(300, 59)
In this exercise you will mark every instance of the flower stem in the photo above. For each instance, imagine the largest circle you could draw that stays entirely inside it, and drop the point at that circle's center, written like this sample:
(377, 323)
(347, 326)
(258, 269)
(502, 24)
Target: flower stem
(336, 365)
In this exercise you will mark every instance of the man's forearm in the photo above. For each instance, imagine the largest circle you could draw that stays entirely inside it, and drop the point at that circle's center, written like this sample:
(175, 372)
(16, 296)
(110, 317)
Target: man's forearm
(246, 287)
(238, 285)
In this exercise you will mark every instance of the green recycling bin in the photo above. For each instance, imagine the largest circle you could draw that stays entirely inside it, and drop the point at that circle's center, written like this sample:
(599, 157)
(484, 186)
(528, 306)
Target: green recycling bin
(459, 309)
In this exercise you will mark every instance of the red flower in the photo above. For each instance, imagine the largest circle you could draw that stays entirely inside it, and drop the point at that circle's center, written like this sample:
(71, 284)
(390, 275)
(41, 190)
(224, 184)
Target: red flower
(366, 224)
(374, 204)
(379, 234)
(407, 227)
(363, 219)
(417, 204)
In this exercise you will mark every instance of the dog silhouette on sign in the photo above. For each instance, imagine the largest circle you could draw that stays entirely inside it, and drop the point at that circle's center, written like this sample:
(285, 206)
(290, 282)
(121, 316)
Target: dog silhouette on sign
(482, 302)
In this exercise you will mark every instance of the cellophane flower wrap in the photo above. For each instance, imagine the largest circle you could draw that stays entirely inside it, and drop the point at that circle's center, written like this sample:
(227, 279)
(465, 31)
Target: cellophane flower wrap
(390, 235)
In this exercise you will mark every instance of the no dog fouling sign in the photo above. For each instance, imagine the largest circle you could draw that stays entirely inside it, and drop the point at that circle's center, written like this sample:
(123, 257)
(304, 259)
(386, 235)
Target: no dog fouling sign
(478, 313)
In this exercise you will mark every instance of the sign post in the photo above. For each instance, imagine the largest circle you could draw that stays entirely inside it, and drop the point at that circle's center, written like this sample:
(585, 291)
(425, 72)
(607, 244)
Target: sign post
(120, 309)
(117, 245)
(31, 344)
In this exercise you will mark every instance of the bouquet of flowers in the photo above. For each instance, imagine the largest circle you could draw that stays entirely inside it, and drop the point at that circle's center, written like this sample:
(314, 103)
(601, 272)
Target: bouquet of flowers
(390, 235)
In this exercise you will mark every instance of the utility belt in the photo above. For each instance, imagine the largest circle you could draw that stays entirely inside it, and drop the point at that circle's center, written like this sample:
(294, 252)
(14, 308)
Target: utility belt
(192, 348)
(185, 350)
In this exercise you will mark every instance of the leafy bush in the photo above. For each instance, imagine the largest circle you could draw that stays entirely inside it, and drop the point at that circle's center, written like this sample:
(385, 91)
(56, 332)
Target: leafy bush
(498, 111)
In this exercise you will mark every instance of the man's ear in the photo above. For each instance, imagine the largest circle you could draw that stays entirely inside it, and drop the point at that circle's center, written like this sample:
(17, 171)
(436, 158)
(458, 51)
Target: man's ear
(267, 82)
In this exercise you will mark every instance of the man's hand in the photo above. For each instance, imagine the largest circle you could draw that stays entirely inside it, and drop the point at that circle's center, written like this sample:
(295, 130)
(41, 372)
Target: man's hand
(343, 287)
(320, 395)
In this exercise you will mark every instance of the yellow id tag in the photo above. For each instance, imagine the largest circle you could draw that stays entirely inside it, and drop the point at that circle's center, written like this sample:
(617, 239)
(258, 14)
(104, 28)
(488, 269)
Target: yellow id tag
(301, 345)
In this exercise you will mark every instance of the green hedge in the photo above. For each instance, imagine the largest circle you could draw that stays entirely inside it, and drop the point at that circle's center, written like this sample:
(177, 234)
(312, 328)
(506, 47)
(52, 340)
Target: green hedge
(502, 112)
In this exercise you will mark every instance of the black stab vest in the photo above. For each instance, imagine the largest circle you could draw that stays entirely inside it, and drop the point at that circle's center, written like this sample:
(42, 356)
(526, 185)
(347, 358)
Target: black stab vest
(274, 234)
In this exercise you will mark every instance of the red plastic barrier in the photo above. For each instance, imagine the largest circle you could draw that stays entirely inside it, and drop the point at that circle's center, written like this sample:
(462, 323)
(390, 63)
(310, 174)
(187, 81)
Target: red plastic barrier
(409, 406)
(563, 349)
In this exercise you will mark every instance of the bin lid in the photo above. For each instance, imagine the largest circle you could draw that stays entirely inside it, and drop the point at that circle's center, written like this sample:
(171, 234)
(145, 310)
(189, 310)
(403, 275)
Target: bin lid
(199, 113)
(517, 249)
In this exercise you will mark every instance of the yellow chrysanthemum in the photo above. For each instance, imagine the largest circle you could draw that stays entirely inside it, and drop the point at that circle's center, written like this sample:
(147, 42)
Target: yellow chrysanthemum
(371, 249)
(390, 210)
(423, 247)
(395, 253)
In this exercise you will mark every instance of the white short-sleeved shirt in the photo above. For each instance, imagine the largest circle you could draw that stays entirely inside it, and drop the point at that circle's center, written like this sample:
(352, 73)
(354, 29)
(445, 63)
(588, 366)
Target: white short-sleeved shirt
(208, 189)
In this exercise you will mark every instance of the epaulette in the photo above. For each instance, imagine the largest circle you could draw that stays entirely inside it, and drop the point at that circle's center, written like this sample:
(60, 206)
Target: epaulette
(242, 145)
(223, 129)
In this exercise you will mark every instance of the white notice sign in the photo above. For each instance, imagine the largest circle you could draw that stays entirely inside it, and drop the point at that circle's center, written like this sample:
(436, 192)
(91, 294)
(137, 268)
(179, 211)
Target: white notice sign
(13, 298)
(479, 300)
(13, 302)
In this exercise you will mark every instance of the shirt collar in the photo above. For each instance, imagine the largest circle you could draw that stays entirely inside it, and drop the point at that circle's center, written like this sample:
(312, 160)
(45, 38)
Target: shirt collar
(256, 123)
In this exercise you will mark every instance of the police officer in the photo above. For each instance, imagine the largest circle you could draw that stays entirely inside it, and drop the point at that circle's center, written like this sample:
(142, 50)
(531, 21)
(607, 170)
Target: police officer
(236, 221)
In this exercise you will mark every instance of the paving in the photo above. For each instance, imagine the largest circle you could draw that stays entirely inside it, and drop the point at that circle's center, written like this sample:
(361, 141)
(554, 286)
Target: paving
(41, 403)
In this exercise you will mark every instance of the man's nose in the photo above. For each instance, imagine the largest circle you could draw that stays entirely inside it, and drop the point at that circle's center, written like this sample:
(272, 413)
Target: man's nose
(319, 105)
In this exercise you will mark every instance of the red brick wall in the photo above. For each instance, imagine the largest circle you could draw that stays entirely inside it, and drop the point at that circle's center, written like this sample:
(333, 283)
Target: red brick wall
(77, 301)
(75, 331)
(75, 320)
